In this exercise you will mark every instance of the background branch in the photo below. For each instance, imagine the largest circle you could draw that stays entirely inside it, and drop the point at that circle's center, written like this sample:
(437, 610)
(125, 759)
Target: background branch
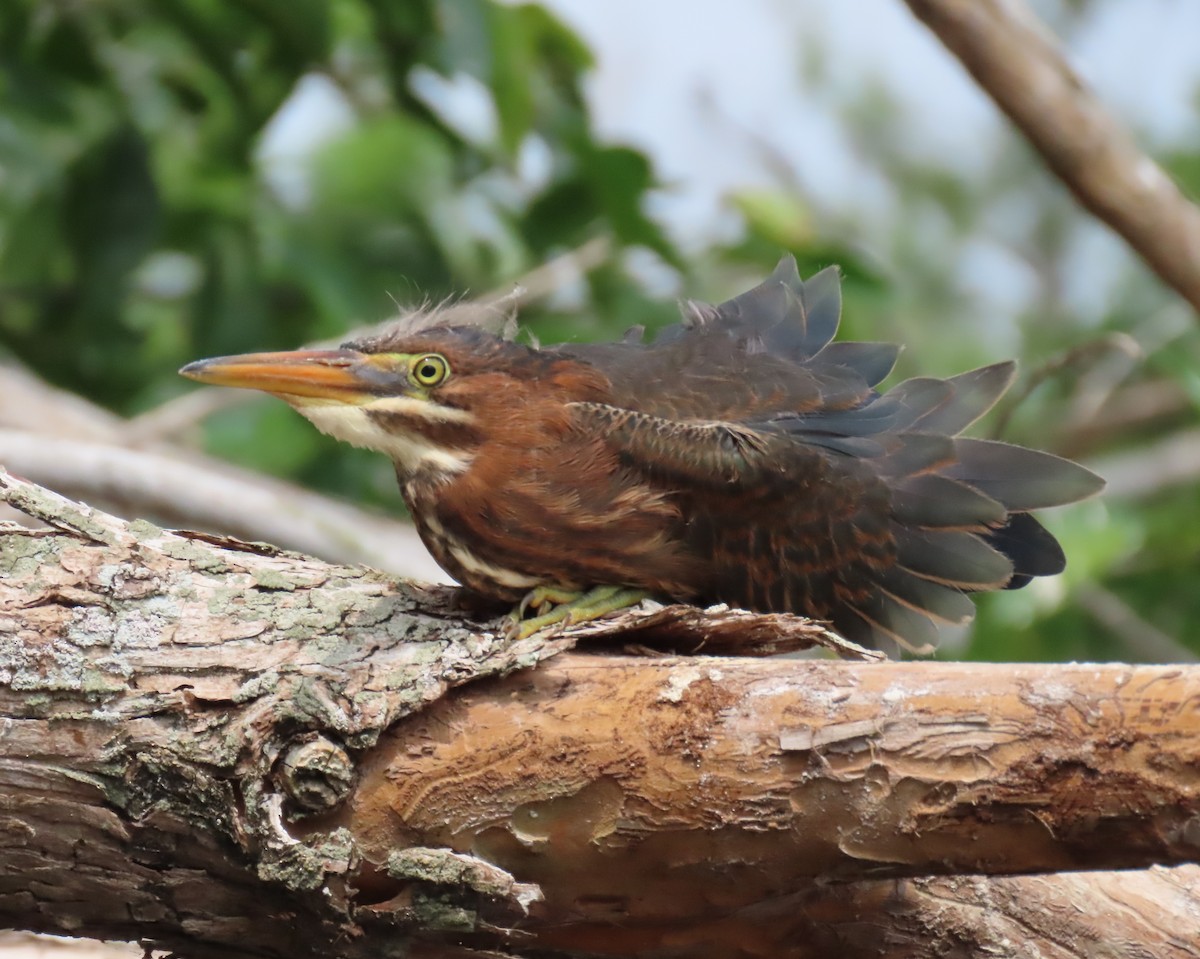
(1022, 67)
(1171, 461)
(187, 490)
(85, 451)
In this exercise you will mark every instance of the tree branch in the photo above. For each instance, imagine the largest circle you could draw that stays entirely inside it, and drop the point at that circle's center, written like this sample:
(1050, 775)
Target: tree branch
(191, 490)
(808, 769)
(1173, 460)
(221, 747)
(1021, 66)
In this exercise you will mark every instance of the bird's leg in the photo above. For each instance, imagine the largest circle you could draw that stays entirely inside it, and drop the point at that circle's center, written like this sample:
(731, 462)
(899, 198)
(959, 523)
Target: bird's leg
(571, 607)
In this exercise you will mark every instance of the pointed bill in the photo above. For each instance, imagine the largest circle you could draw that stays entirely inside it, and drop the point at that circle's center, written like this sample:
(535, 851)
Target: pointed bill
(337, 375)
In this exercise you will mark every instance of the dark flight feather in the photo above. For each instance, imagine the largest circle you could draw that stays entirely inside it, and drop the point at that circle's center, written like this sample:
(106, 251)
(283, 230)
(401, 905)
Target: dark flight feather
(898, 516)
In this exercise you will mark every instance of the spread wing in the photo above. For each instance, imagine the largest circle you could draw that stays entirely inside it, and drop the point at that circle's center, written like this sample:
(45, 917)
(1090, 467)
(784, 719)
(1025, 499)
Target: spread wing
(811, 492)
(765, 352)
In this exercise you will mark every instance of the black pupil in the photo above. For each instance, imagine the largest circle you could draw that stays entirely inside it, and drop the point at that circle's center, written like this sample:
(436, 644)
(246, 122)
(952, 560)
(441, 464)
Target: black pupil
(428, 371)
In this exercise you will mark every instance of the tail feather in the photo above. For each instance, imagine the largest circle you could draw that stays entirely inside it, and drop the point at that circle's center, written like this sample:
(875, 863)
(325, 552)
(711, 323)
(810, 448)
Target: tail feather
(975, 392)
(1033, 550)
(917, 398)
(947, 604)
(915, 453)
(934, 501)
(908, 628)
(1022, 479)
(951, 557)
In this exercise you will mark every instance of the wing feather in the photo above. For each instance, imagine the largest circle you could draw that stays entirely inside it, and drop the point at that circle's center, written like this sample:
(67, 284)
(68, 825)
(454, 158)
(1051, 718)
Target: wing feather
(724, 456)
(805, 489)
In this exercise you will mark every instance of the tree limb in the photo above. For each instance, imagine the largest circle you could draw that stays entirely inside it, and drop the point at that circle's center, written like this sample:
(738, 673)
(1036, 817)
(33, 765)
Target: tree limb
(191, 490)
(1173, 460)
(1021, 66)
(220, 747)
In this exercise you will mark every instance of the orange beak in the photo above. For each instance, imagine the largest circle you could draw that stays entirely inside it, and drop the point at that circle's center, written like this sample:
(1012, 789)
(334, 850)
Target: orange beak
(345, 376)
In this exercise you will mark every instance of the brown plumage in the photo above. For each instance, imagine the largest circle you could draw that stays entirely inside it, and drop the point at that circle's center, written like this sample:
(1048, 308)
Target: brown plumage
(741, 457)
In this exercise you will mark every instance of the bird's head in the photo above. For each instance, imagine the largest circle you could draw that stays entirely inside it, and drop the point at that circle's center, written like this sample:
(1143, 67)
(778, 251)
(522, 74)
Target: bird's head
(429, 400)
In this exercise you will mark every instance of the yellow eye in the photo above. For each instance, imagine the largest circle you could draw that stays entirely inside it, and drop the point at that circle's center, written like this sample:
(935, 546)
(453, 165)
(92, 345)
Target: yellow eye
(429, 369)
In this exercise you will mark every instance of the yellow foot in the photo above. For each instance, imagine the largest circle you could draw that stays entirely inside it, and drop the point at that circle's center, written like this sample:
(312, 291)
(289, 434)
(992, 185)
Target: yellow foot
(567, 607)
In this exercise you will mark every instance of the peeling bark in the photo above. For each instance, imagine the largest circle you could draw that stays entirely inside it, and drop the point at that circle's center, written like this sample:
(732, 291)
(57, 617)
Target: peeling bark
(219, 747)
(810, 770)
(743, 789)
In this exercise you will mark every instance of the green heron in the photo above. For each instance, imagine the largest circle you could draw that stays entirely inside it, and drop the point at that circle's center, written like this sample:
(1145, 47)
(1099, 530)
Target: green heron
(740, 458)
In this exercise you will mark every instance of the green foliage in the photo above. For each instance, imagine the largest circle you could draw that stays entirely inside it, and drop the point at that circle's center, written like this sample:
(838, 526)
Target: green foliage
(138, 227)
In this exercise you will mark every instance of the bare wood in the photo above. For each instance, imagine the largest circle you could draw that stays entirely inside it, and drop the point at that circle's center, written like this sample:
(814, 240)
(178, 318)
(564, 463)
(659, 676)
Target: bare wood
(1117, 915)
(173, 705)
(764, 776)
(1020, 65)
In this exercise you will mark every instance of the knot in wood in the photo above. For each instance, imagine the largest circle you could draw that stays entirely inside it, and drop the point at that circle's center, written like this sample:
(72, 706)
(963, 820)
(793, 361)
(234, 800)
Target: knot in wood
(317, 774)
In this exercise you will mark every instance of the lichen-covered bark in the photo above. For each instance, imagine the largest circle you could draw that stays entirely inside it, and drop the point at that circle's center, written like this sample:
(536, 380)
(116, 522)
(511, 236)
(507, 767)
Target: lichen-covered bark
(169, 705)
(219, 747)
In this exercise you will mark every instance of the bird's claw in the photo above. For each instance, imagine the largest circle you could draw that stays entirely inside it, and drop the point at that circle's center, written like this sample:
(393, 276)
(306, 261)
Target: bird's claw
(543, 598)
(563, 608)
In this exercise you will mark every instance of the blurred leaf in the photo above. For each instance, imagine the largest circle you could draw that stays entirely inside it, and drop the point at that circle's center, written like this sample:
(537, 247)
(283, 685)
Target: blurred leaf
(389, 165)
(512, 74)
(563, 213)
(781, 219)
(1184, 169)
(111, 219)
(621, 178)
(265, 434)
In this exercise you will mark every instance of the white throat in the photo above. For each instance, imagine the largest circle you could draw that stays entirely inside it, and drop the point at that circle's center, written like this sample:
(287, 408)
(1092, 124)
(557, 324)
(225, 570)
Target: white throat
(410, 451)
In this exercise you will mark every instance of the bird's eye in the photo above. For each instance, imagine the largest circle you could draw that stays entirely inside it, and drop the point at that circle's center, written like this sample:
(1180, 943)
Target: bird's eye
(429, 370)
